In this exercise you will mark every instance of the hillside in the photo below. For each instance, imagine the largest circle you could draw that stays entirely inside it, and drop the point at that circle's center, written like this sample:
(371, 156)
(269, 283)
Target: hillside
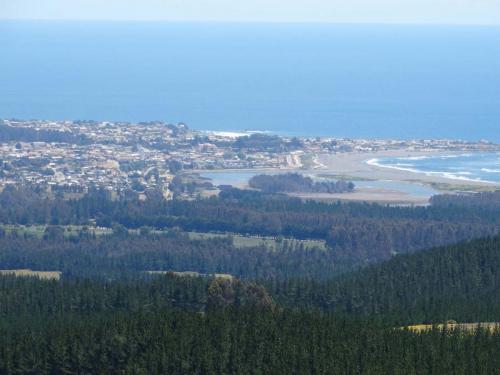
(460, 282)
(356, 233)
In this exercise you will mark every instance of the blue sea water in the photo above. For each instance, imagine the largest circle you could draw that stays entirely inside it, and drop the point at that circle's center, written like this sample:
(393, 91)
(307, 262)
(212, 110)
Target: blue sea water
(301, 79)
(472, 167)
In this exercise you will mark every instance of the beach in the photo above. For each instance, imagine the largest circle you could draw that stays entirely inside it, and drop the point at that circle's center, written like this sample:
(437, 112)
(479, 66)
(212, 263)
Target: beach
(374, 183)
(361, 166)
(358, 166)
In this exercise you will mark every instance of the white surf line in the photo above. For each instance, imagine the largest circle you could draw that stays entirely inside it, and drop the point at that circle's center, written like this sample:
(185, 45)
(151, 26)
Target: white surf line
(376, 163)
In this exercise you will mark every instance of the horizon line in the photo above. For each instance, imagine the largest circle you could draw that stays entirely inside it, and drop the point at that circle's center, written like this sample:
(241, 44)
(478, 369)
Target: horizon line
(256, 22)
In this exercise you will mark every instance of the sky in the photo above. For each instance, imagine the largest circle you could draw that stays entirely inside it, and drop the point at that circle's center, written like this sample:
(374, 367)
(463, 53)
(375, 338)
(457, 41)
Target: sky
(341, 11)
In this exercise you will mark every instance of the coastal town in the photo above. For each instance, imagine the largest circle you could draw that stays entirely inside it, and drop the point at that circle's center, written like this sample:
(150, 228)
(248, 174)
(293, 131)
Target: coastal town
(71, 157)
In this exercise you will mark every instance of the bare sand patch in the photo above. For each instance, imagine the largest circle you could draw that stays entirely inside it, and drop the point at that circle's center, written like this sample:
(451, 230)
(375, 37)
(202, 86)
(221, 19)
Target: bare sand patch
(356, 166)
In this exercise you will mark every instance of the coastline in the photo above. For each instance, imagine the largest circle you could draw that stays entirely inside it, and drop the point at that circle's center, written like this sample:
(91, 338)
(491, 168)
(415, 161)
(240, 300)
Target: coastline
(358, 165)
(387, 181)
(456, 176)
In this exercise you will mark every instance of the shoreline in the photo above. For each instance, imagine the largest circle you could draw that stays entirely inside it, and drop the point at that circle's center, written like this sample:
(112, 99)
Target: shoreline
(358, 166)
(355, 166)
(376, 163)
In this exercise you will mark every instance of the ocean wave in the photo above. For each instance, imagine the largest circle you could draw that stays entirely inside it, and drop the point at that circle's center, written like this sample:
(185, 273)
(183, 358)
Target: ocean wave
(236, 134)
(440, 157)
(228, 134)
(456, 176)
(404, 165)
(374, 162)
(454, 156)
(416, 158)
(489, 170)
(446, 174)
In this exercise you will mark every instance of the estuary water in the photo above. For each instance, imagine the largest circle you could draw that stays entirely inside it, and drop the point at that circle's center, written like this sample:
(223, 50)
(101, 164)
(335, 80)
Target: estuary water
(298, 79)
(240, 179)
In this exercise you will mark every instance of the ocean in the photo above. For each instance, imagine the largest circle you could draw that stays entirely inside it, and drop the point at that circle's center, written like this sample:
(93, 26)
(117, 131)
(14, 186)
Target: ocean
(354, 81)
(466, 167)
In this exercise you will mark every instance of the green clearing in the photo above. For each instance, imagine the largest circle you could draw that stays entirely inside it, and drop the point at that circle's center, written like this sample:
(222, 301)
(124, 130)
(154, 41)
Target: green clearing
(46, 275)
(466, 327)
(239, 241)
(307, 161)
(39, 230)
(272, 243)
(343, 177)
(224, 276)
(458, 187)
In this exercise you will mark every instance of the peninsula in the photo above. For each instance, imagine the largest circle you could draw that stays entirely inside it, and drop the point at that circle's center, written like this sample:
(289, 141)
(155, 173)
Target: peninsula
(139, 159)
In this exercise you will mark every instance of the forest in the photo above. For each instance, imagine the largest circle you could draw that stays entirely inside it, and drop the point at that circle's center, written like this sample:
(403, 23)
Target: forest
(337, 306)
(357, 233)
(185, 325)
(236, 341)
(108, 255)
(458, 282)
(11, 133)
(297, 183)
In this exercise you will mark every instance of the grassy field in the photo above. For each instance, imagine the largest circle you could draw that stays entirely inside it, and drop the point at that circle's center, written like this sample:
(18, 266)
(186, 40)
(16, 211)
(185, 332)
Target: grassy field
(342, 177)
(272, 243)
(39, 230)
(470, 327)
(442, 186)
(225, 276)
(307, 161)
(240, 241)
(47, 275)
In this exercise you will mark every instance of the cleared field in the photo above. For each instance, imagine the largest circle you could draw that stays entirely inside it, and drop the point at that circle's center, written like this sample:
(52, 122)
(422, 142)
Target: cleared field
(239, 241)
(443, 186)
(39, 230)
(192, 274)
(46, 275)
(343, 177)
(272, 243)
(470, 327)
(31, 230)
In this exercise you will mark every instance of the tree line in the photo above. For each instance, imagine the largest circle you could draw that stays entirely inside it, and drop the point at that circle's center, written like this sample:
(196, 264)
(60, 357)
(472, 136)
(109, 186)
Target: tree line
(83, 327)
(10, 133)
(297, 183)
(88, 255)
(357, 233)
(458, 282)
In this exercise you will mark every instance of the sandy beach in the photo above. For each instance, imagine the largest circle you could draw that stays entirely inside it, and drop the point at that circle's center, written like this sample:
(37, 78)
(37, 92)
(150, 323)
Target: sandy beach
(354, 166)
(373, 183)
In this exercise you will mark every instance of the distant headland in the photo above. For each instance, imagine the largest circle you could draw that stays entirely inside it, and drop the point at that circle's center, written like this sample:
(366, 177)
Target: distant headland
(71, 157)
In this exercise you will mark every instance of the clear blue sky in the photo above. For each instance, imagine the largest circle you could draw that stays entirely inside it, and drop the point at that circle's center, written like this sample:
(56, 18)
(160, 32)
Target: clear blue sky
(363, 11)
